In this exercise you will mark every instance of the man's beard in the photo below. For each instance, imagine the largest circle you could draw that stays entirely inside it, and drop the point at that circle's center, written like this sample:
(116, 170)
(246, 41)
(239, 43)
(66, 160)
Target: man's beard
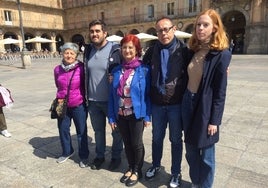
(99, 44)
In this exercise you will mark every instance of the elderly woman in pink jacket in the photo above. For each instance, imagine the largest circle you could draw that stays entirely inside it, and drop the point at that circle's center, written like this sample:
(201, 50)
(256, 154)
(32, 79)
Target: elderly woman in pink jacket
(71, 71)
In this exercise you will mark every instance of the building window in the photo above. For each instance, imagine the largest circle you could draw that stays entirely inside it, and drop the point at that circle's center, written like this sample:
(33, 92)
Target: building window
(170, 8)
(134, 15)
(150, 11)
(102, 16)
(192, 6)
(7, 15)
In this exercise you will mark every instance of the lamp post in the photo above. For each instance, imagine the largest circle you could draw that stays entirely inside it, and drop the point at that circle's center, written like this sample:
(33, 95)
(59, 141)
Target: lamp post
(25, 55)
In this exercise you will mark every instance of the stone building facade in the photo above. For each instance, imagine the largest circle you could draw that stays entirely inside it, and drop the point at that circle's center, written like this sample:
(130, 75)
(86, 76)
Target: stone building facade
(246, 21)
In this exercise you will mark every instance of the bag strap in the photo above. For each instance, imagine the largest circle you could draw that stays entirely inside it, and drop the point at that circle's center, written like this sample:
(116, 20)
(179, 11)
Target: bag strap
(69, 85)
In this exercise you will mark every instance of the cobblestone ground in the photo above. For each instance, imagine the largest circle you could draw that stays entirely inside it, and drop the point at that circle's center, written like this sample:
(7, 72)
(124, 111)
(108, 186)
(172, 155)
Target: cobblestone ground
(28, 158)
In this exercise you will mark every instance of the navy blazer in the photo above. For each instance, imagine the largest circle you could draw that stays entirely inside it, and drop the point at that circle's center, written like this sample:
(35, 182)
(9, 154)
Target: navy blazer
(210, 99)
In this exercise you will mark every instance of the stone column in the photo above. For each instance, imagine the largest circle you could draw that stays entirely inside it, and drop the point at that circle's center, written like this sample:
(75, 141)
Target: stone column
(257, 43)
(2, 46)
(53, 44)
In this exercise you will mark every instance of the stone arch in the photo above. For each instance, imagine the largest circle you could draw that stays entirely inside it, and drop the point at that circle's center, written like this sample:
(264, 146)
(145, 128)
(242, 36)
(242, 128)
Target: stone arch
(29, 46)
(10, 35)
(235, 24)
(189, 28)
(11, 47)
(78, 39)
(134, 31)
(60, 41)
(119, 33)
(237, 9)
(151, 31)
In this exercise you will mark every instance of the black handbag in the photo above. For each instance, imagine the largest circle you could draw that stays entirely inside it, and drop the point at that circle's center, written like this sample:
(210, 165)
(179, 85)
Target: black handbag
(58, 108)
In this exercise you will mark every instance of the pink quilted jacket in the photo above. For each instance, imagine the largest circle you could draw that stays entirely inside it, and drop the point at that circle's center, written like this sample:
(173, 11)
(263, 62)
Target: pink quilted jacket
(77, 88)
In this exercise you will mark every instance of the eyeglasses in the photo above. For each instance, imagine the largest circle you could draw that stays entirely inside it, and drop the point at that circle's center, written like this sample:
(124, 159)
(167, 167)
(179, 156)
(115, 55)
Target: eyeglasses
(165, 30)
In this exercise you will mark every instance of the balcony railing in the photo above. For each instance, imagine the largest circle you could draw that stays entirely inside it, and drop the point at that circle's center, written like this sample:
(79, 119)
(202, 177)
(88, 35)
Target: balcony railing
(141, 18)
(138, 18)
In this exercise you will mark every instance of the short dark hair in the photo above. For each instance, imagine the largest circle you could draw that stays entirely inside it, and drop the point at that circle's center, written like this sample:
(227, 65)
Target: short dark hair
(98, 22)
(163, 18)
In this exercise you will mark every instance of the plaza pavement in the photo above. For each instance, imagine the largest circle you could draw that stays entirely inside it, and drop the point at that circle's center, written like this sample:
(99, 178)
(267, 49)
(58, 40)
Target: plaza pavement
(28, 158)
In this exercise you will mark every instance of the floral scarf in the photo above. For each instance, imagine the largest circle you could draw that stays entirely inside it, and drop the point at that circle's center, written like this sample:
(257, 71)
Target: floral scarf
(128, 67)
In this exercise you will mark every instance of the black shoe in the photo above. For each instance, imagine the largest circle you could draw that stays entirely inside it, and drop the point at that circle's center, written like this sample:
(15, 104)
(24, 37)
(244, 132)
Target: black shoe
(151, 172)
(131, 182)
(126, 176)
(97, 163)
(114, 164)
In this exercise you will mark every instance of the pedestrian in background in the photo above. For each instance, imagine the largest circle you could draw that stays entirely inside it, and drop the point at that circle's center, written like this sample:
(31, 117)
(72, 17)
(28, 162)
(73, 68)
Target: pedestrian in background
(129, 105)
(3, 124)
(100, 57)
(204, 99)
(69, 75)
(5, 101)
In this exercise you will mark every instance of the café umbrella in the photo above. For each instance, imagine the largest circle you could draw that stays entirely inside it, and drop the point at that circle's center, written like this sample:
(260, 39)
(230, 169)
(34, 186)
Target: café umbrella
(182, 34)
(114, 38)
(144, 37)
(10, 41)
(39, 40)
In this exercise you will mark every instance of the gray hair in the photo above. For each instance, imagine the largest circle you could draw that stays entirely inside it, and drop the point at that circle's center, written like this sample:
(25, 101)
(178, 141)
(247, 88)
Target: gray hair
(70, 45)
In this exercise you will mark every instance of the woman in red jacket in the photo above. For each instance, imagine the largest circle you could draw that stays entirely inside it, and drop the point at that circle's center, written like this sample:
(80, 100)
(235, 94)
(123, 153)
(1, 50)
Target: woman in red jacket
(203, 101)
(71, 71)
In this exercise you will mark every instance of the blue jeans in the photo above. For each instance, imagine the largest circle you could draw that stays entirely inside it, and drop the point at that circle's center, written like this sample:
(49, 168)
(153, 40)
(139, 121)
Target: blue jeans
(161, 117)
(79, 116)
(201, 160)
(98, 113)
(202, 164)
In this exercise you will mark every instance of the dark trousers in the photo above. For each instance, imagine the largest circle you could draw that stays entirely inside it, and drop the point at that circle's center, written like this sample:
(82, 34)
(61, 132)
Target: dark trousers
(131, 130)
(3, 124)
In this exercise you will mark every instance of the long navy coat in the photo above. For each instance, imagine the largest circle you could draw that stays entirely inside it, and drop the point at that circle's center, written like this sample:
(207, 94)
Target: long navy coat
(210, 99)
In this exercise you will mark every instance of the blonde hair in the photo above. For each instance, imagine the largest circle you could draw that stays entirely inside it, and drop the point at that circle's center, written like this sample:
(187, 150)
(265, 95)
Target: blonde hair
(219, 39)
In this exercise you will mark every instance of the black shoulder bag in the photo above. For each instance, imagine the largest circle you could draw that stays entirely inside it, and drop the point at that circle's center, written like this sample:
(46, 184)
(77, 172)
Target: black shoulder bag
(59, 109)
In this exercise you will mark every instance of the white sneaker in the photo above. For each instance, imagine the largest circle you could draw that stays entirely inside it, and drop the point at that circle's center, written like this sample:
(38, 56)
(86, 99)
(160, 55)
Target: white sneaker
(83, 163)
(151, 172)
(62, 159)
(5, 133)
(175, 181)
